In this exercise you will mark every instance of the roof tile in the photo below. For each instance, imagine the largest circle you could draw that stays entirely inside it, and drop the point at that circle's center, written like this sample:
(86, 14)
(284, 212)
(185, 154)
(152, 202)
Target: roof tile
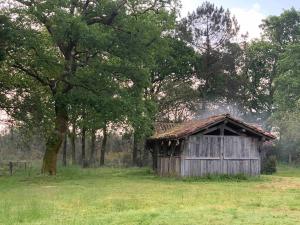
(175, 131)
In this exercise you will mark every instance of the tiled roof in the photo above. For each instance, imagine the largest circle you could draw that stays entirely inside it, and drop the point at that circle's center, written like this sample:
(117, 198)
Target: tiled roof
(181, 130)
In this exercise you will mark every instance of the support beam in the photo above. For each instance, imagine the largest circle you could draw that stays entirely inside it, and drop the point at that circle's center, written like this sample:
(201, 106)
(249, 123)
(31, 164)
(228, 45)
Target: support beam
(173, 146)
(155, 155)
(246, 128)
(211, 130)
(222, 129)
(232, 130)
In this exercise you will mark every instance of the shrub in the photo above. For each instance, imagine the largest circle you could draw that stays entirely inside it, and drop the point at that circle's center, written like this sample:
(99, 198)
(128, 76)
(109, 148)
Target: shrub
(269, 165)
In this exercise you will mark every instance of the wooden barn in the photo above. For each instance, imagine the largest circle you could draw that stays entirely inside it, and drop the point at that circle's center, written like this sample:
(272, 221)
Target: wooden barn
(216, 145)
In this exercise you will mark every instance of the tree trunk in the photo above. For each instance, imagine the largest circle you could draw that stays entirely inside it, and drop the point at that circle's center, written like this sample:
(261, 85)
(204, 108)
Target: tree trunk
(145, 161)
(55, 139)
(290, 158)
(64, 160)
(73, 145)
(93, 147)
(103, 146)
(135, 149)
(83, 132)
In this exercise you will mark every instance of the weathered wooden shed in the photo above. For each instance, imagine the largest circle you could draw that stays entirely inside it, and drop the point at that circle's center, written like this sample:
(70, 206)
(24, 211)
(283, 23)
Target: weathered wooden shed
(216, 145)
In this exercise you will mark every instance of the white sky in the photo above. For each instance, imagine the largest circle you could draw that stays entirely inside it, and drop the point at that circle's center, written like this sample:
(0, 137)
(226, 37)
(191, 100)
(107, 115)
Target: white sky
(249, 18)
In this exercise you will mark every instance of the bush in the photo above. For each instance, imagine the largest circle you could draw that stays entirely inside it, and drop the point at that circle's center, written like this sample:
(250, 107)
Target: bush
(269, 165)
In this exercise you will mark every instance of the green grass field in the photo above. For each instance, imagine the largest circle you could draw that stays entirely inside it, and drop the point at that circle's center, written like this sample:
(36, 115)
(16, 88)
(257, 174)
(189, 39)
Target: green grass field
(136, 196)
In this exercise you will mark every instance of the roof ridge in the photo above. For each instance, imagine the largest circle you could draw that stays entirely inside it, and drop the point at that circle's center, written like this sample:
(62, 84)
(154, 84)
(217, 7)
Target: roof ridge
(179, 130)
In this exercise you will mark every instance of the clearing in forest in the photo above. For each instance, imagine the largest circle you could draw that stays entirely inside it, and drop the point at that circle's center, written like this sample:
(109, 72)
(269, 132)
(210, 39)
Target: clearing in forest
(136, 196)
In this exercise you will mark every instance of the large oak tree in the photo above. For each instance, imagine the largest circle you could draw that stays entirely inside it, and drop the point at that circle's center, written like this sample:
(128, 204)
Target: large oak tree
(59, 47)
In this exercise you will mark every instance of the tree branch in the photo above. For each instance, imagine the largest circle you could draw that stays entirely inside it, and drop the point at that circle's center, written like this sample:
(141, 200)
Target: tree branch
(31, 73)
(27, 3)
(71, 85)
(85, 6)
(152, 7)
(108, 20)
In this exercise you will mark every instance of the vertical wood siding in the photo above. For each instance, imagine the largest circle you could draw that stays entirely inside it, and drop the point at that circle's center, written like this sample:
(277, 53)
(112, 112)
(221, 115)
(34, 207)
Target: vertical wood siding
(169, 166)
(205, 155)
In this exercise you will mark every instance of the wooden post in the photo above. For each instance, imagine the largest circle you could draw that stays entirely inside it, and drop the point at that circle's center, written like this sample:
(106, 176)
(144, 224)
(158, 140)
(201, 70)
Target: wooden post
(222, 130)
(164, 146)
(182, 158)
(173, 146)
(155, 155)
(135, 149)
(171, 166)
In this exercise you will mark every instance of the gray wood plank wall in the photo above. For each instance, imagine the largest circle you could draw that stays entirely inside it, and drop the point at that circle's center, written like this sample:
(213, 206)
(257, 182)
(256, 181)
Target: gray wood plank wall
(205, 155)
(169, 166)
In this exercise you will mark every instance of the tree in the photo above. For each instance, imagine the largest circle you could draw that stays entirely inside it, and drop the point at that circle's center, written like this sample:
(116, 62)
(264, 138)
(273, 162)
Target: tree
(171, 70)
(141, 121)
(72, 135)
(288, 82)
(178, 101)
(103, 145)
(61, 47)
(83, 149)
(64, 159)
(258, 74)
(208, 30)
(261, 59)
(172, 78)
(284, 29)
(92, 159)
(287, 101)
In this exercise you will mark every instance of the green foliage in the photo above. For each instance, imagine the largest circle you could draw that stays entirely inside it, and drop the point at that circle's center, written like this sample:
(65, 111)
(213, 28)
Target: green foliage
(89, 61)
(287, 101)
(209, 27)
(210, 30)
(130, 63)
(282, 33)
(259, 73)
(265, 62)
(284, 29)
(4, 35)
(269, 165)
(288, 82)
(171, 81)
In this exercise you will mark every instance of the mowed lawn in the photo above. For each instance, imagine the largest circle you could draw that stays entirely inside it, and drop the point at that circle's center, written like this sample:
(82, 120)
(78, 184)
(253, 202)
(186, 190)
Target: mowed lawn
(136, 196)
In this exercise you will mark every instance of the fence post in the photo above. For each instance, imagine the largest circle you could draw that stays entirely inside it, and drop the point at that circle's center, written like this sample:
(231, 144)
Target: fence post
(10, 164)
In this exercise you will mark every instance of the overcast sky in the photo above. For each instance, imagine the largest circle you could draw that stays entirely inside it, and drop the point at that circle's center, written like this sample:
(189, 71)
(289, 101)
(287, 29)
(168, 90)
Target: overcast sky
(248, 13)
